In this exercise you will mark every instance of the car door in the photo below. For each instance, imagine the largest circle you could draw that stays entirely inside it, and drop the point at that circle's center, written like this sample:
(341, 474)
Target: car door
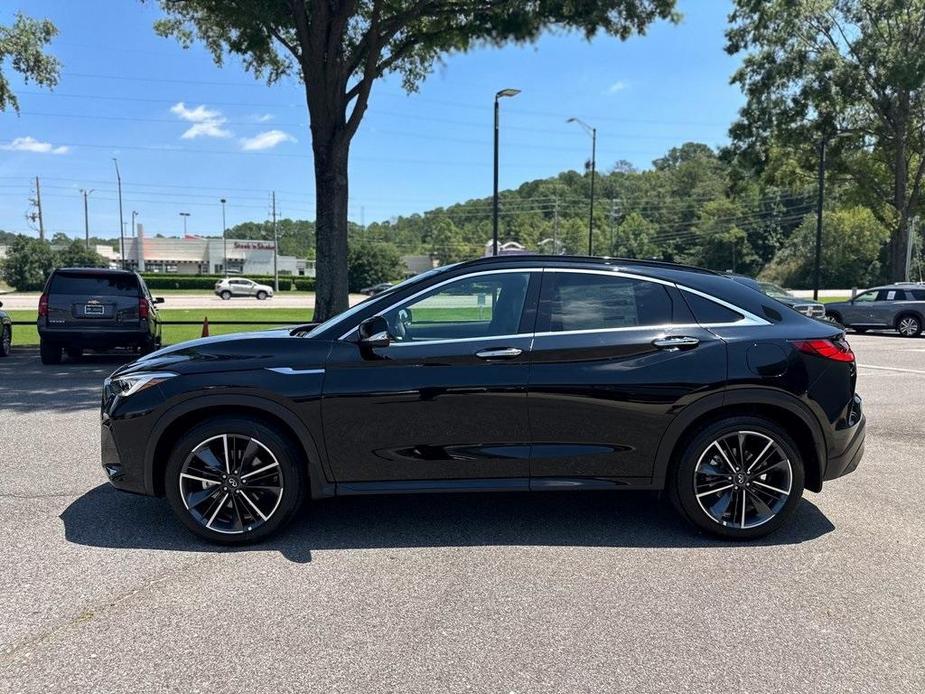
(446, 399)
(883, 309)
(859, 310)
(614, 358)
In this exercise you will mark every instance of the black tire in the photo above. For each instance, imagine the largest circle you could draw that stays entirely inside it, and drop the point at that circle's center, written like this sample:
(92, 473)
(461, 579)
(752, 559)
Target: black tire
(859, 331)
(691, 473)
(275, 447)
(225, 295)
(75, 353)
(6, 341)
(261, 295)
(909, 325)
(49, 352)
(147, 347)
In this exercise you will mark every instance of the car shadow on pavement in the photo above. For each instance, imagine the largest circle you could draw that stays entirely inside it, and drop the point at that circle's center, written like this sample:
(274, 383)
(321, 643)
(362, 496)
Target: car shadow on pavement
(104, 517)
(27, 385)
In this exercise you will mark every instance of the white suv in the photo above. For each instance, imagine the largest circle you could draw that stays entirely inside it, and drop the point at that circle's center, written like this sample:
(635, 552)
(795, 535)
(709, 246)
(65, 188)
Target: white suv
(238, 286)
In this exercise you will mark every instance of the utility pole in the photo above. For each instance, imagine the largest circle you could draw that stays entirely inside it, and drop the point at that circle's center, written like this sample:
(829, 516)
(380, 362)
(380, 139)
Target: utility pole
(121, 223)
(275, 248)
(613, 220)
(224, 240)
(86, 194)
(819, 202)
(910, 234)
(591, 214)
(555, 228)
(38, 204)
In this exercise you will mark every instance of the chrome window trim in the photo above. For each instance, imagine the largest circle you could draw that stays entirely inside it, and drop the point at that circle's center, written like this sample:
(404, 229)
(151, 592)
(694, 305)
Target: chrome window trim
(748, 318)
(289, 371)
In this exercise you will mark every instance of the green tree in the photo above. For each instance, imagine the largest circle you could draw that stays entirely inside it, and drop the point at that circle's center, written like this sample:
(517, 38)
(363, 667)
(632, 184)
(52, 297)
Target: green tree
(28, 264)
(816, 68)
(23, 43)
(851, 243)
(76, 254)
(372, 263)
(635, 238)
(339, 49)
(721, 244)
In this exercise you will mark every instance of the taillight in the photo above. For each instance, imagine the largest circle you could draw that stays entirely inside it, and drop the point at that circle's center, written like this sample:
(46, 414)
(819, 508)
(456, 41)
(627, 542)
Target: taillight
(142, 308)
(43, 305)
(836, 350)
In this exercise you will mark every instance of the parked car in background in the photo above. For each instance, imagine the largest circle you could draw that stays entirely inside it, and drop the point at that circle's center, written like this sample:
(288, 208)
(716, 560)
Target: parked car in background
(376, 289)
(6, 333)
(241, 286)
(97, 309)
(899, 307)
(813, 309)
(510, 373)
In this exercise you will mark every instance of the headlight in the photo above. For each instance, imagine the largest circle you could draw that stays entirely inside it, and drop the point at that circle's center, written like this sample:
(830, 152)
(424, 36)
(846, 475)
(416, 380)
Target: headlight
(130, 384)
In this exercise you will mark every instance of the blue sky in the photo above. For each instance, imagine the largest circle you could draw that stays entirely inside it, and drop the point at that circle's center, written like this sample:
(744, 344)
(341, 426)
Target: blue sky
(187, 132)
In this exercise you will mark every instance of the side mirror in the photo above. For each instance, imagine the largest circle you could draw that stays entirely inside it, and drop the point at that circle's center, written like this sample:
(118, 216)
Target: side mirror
(158, 300)
(374, 332)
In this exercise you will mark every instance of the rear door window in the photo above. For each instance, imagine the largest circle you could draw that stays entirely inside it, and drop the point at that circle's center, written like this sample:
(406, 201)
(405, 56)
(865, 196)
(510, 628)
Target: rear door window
(587, 301)
(93, 285)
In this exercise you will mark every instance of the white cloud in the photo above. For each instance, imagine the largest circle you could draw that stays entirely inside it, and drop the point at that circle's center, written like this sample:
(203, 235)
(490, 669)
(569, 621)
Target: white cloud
(266, 140)
(206, 122)
(263, 117)
(30, 144)
(617, 86)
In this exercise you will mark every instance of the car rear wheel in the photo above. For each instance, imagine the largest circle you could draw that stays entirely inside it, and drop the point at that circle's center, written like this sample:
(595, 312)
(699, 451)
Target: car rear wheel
(235, 481)
(75, 353)
(49, 352)
(225, 295)
(6, 341)
(261, 295)
(740, 478)
(908, 325)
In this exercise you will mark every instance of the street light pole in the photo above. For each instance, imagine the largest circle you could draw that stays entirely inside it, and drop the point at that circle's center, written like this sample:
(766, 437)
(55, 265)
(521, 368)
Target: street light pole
(134, 214)
(494, 207)
(86, 194)
(593, 133)
(121, 223)
(184, 215)
(224, 240)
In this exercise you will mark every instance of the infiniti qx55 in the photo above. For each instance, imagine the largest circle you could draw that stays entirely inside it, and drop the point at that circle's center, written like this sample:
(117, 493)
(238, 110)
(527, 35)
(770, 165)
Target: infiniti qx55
(499, 374)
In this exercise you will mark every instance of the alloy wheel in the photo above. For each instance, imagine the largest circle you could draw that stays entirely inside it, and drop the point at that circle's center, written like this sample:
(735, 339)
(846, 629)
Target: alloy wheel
(231, 483)
(743, 479)
(909, 326)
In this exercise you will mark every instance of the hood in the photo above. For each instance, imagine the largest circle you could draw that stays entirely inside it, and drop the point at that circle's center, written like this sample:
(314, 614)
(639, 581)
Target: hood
(233, 352)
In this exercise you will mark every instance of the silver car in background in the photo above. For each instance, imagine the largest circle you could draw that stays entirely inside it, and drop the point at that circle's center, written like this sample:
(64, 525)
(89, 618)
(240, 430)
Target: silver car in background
(241, 286)
(899, 307)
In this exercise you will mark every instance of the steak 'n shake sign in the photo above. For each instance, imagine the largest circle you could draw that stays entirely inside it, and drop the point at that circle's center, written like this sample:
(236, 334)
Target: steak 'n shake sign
(253, 246)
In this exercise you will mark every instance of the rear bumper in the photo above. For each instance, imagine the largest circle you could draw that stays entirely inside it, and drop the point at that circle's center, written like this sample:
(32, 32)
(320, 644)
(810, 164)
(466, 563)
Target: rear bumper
(847, 461)
(103, 337)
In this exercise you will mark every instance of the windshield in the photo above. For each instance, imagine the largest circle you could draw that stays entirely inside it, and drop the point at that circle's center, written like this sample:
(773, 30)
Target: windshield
(773, 291)
(343, 316)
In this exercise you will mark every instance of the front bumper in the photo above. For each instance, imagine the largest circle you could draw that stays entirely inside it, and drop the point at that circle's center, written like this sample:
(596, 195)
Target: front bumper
(120, 473)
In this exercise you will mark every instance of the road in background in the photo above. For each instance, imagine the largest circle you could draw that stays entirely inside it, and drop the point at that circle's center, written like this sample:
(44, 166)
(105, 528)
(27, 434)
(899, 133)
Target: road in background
(30, 301)
(489, 592)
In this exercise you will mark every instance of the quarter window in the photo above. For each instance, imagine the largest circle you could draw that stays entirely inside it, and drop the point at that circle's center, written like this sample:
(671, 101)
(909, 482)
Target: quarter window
(710, 312)
(584, 301)
(472, 307)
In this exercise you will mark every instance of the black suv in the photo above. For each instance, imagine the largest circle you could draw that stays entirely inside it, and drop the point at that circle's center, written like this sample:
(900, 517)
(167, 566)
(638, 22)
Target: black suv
(500, 374)
(99, 309)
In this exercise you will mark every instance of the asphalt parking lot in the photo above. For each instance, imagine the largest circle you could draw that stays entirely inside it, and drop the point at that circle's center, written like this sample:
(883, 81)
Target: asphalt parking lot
(561, 592)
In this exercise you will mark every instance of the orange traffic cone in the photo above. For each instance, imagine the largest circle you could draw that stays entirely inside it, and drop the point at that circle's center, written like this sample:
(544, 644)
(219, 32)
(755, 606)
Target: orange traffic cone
(205, 326)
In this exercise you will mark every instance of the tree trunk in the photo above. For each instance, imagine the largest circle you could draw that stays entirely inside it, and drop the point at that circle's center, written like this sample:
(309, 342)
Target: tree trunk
(897, 269)
(331, 194)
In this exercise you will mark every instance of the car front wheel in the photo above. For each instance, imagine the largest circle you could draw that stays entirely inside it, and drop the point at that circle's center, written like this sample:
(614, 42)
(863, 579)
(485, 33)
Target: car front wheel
(740, 478)
(235, 481)
(225, 295)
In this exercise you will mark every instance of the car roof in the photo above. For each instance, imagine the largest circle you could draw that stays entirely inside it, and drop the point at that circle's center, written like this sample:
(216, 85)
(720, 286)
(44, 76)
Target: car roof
(94, 271)
(582, 260)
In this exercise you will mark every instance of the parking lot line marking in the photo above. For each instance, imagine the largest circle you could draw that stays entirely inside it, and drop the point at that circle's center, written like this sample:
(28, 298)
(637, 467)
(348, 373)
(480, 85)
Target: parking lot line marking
(892, 368)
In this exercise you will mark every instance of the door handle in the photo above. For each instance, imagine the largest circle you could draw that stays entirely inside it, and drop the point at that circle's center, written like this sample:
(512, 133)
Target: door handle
(499, 353)
(673, 343)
